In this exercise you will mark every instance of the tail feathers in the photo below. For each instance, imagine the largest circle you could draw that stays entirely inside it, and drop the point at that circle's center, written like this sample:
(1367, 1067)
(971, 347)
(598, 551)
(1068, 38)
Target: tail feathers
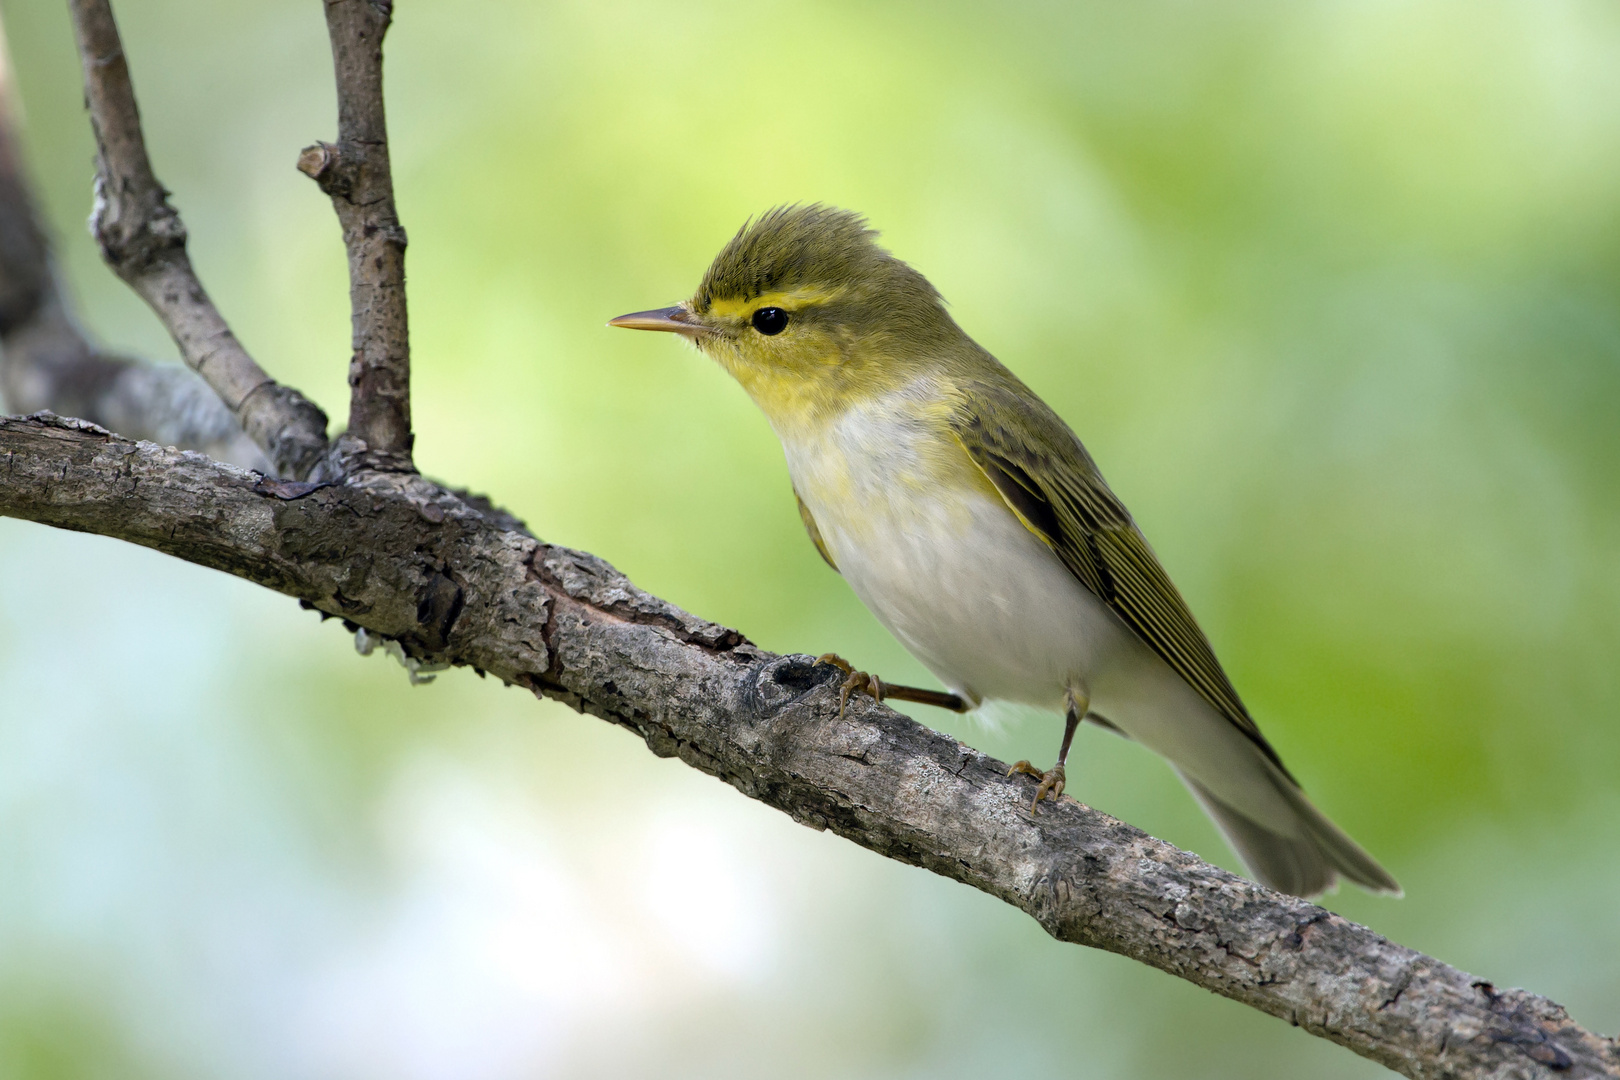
(1345, 854)
(1303, 865)
(1285, 863)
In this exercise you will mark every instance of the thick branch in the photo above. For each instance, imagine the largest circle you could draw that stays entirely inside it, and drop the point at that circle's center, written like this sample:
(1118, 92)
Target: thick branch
(454, 583)
(355, 172)
(143, 240)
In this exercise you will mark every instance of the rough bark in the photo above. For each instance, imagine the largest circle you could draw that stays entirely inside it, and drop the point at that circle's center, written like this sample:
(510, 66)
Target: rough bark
(143, 239)
(458, 584)
(355, 172)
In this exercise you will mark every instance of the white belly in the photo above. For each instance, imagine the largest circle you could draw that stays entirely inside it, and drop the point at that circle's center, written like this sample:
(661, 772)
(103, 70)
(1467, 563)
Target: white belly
(992, 611)
(980, 600)
(951, 573)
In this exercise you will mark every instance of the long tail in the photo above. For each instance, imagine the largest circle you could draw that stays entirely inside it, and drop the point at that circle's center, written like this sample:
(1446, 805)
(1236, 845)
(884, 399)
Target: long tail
(1305, 864)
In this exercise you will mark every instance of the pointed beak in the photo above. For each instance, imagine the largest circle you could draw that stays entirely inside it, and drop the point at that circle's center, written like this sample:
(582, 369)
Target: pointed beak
(676, 320)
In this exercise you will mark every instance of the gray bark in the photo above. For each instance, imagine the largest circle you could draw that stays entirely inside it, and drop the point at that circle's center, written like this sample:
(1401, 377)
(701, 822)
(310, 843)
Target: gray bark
(456, 583)
(144, 241)
(357, 175)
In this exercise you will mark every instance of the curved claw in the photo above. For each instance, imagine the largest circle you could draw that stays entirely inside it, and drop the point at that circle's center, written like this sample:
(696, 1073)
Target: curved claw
(854, 682)
(858, 682)
(1051, 785)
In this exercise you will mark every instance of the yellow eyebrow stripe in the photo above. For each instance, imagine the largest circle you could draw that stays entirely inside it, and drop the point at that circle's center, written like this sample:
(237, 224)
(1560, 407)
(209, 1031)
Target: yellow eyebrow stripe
(792, 300)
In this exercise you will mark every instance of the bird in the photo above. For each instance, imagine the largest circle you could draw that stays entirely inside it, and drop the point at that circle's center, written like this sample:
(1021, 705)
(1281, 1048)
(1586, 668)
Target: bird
(972, 522)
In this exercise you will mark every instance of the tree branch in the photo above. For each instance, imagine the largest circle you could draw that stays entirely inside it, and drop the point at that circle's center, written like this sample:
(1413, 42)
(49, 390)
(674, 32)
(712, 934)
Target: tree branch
(45, 359)
(143, 240)
(355, 172)
(457, 584)
(453, 581)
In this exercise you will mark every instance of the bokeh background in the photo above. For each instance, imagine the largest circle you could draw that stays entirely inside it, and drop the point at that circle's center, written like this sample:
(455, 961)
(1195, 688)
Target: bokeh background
(1331, 290)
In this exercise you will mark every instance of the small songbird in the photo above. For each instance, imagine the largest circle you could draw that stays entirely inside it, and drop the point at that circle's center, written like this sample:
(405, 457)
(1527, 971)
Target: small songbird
(967, 516)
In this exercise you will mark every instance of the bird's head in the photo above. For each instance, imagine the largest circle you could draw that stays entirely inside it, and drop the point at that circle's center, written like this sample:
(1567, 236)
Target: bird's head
(810, 314)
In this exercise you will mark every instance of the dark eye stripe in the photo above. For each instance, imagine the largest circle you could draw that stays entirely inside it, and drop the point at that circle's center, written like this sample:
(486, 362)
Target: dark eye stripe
(770, 320)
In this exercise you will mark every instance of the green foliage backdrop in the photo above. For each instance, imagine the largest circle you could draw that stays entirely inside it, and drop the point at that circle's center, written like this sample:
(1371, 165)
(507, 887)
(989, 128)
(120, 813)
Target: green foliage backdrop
(1331, 290)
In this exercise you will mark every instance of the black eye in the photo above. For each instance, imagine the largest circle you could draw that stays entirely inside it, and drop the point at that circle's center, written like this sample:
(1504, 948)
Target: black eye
(770, 320)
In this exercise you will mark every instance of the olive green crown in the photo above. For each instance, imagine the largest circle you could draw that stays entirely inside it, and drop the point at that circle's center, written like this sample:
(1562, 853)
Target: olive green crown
(802, 246)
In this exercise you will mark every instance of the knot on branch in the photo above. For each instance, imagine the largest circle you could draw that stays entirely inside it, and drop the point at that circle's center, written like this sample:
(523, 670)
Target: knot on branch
(359, 176)
(324, 164)
(134, 230)
(785, 681)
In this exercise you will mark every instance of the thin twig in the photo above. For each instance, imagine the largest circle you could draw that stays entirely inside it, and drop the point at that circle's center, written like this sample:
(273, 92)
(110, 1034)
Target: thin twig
(455, 585)
(355, 172)
(143, 240)
(46, 360)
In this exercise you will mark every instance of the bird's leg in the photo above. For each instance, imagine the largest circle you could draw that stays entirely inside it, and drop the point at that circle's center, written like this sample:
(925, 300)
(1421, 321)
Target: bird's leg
(1076, 703)
(861, 682)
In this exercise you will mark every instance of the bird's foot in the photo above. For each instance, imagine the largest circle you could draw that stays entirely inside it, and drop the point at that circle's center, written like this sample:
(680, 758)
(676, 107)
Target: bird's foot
(1051, 785)
(855, 682)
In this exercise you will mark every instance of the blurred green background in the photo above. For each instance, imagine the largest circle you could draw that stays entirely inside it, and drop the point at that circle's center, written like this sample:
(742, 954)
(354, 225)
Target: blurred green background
(1330, 289)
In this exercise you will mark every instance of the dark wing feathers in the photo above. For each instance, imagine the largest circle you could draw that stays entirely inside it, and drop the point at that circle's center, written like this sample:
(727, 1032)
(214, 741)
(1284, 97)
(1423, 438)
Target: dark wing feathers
(814, 530)
(1051, 483)
(1021, 491)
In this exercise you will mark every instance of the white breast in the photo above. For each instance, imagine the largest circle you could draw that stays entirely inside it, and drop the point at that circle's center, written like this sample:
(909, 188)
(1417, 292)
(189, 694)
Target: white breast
(953, 574)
